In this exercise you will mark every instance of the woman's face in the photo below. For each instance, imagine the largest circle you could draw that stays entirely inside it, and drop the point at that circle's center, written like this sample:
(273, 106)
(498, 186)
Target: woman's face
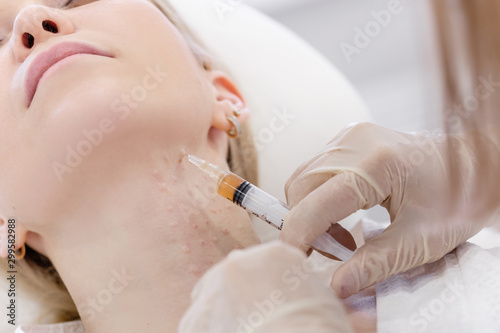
(135, 84)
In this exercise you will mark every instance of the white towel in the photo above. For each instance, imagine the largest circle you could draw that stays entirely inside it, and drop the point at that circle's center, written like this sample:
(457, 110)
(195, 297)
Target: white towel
(459, 293)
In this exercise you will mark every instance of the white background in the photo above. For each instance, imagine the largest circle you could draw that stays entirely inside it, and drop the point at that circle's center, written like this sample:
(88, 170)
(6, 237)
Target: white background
(396, 74)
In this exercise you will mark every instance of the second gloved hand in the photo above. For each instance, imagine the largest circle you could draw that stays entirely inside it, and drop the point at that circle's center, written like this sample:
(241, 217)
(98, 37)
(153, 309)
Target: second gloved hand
(434, 188)
(264, 289)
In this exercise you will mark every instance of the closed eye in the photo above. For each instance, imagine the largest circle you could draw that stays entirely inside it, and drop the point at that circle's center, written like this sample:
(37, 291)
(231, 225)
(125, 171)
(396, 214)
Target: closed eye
(4, 39)
(76, 3)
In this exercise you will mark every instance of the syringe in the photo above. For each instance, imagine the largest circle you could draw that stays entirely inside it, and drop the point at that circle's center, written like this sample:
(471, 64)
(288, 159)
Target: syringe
(264, 206)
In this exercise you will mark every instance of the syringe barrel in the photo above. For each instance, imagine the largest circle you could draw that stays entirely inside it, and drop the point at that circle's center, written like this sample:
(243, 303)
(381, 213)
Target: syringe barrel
(273, 211)
(261, 204)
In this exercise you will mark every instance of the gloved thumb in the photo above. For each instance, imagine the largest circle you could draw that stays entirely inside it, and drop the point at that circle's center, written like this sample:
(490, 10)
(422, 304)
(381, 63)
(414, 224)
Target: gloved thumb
(329, 203)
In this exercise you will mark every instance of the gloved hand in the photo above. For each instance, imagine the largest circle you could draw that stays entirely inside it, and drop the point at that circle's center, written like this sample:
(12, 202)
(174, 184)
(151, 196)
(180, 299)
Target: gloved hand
(264, 289)
(439, 192)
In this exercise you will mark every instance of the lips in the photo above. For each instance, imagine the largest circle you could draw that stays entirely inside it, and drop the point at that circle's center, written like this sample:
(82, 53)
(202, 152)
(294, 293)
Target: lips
(49, 58)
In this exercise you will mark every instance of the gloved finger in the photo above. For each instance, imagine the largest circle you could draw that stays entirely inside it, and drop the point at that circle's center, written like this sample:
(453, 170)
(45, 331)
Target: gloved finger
(301, 186)
(395, 250)
(377, 166)
(331, 202)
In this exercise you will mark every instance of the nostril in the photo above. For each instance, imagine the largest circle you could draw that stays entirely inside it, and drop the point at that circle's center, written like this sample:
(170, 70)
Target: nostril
(28, 40)
(50, 26)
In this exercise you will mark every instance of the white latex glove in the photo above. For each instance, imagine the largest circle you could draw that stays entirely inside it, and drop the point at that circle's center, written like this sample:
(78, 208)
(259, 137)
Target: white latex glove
(439, 192)
(263, 289)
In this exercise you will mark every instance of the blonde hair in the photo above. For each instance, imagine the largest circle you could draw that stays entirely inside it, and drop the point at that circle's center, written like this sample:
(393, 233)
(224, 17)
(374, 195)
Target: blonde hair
(38, 278)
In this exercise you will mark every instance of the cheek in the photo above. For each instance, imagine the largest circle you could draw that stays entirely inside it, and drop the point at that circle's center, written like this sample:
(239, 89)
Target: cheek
(171, 89)
(161, 85)
(52, 142)
(66, 144)
(144, 95)
(183, 107)
(183, 92)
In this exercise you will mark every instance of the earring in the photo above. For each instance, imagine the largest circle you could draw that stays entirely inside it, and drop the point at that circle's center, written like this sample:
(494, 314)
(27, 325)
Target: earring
(22, 252)
(236, 130)
(237, 112)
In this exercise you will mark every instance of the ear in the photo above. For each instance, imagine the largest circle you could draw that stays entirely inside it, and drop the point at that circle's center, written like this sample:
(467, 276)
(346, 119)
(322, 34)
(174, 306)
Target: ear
(12, 236)
(227, 99)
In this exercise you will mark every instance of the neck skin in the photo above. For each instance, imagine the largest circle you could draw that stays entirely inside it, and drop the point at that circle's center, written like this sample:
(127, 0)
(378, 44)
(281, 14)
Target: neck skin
(131, 253)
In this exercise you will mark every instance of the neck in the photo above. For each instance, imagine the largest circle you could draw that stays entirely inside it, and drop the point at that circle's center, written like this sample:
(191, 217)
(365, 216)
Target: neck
(130, 255)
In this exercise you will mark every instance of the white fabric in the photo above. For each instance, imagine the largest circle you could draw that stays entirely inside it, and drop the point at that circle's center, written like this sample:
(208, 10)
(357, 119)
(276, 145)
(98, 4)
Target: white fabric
(459, 293)
(487, 238)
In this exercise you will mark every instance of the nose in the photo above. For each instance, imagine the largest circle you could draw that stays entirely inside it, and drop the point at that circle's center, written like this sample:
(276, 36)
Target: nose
(36, 24)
